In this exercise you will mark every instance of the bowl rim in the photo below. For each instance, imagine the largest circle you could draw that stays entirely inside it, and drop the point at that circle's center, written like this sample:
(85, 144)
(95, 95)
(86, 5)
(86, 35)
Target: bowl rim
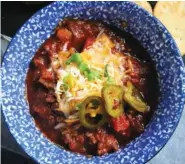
(134, 5)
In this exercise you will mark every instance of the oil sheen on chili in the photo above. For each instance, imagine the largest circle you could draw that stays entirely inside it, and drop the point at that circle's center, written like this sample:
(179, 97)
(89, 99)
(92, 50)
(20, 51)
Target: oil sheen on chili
(91, 88)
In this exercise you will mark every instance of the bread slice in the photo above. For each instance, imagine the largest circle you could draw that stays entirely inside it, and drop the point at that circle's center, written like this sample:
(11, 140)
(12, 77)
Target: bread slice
(145, 5)
(172, 15)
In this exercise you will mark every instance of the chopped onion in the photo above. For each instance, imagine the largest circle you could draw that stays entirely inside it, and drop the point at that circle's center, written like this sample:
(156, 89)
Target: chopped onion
(74, 116)
(75, 98)
(59, 126)
(61, 72)
(82, 92)
(100, 33)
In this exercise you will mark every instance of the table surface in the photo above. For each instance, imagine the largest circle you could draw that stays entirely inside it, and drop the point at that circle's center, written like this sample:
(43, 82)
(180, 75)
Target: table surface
(172, 153)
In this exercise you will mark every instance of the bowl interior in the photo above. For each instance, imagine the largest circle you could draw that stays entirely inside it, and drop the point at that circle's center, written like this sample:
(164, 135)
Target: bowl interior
(145, 28)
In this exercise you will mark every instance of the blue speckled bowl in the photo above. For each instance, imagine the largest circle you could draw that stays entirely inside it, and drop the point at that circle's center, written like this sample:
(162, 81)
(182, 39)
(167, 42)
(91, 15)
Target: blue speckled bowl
(152, 35)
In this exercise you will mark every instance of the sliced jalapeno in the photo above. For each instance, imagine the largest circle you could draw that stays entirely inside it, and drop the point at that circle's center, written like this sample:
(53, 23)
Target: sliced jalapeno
(133, 97)
(113, 97)
(92, 112)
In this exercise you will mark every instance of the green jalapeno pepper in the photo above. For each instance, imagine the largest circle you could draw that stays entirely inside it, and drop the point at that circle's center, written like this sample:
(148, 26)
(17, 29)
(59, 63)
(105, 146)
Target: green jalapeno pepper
(106, 74)
(133, 97)
(92, 112)
(110, 80)
(113, 97)
(91, 74)
(74, 58)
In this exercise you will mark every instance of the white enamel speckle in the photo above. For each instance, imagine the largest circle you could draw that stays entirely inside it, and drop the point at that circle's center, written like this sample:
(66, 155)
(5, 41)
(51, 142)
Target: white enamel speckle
(151, 34)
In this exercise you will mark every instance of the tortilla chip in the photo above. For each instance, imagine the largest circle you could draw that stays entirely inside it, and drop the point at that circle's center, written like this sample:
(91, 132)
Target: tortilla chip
(172, 15)
(145, 5)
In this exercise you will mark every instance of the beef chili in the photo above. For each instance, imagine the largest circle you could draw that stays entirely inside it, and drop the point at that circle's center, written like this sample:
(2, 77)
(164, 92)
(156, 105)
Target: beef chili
(91, 88)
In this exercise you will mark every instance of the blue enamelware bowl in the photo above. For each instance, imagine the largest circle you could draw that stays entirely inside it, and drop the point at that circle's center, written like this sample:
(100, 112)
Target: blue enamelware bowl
(151, 34)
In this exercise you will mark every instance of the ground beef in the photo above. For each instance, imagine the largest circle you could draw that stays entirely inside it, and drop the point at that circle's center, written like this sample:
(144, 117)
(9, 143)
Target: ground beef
(72, 36)
(74, 140)
(105, 142)
(50, 97)
(136, 122)
(41, 110)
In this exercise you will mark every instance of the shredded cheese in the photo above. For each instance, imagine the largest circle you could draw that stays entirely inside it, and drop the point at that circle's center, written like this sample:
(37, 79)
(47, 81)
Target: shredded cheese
(96, 57)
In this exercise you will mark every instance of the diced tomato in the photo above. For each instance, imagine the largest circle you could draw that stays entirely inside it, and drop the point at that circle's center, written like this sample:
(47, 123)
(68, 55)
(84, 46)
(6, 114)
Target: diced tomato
(89, 42)
(120, 124)
(64, 34)
(78, 34)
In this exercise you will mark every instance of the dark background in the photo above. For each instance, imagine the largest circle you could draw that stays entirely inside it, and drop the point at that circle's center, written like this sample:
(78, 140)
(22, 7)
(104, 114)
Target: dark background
(13, 16)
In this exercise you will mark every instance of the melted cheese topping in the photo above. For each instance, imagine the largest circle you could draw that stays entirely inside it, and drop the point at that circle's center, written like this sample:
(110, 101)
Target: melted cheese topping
(97, 57)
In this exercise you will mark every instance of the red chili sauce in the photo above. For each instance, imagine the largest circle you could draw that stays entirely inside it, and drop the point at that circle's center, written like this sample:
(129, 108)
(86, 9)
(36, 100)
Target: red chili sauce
(41, 81)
